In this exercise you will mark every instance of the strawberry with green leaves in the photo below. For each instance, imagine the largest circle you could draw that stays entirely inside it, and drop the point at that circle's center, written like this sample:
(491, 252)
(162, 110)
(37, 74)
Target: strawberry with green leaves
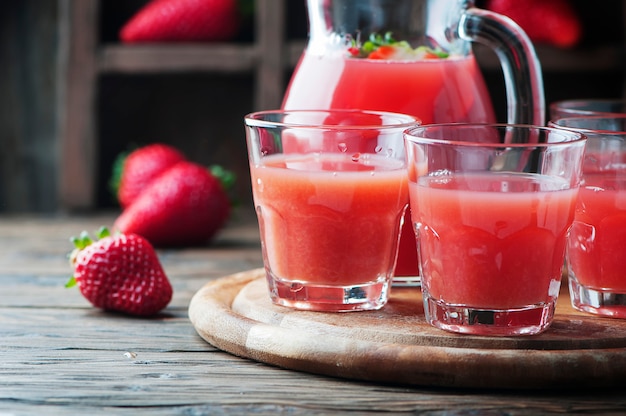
(184, 21)
(385, 47)
(133, 172)
(185, 205)
(120, 273)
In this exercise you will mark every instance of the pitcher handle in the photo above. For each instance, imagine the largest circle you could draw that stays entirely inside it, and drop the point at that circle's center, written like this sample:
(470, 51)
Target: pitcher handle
(521, 67)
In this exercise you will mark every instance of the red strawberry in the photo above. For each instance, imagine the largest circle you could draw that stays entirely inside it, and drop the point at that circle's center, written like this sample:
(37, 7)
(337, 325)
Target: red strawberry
(140, 167)
(185, 205)
(183, 20)
(120, 273)
(553, 22)
(383, 52)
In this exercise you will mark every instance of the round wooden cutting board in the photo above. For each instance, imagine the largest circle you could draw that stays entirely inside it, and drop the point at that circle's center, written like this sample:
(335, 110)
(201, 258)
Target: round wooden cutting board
(396, 345)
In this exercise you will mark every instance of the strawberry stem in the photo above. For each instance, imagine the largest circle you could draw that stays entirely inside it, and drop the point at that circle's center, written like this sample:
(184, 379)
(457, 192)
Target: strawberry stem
(102, 232)
(82, 241)
(226, 177)
(116, 173)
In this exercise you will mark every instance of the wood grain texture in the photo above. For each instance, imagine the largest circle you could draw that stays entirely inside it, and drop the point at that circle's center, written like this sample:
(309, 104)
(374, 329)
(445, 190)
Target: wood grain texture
(60, 356)
(396, 345)
(83, 59)
(28, 157)
(77, 141)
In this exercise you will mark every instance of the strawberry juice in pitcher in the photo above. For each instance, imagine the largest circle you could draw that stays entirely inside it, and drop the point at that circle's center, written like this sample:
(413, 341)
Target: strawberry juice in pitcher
(413, 57)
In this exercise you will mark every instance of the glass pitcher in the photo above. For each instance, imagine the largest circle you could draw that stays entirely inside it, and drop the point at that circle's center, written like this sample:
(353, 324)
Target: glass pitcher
(413, 57)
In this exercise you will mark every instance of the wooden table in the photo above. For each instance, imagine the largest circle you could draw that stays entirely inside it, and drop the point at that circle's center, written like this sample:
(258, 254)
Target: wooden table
(59, 355)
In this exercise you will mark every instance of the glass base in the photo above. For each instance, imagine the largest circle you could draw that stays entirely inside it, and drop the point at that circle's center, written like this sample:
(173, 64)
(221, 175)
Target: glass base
(598, 302)
(326, 298)
(529, 320)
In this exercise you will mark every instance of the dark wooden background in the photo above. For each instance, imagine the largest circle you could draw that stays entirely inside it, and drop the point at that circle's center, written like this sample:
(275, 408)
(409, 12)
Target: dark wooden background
(199, 111)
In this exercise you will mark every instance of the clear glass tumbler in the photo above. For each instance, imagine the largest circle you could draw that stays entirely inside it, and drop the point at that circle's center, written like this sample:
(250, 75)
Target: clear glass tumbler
(595, 257)
(492, 206)
(330, 191)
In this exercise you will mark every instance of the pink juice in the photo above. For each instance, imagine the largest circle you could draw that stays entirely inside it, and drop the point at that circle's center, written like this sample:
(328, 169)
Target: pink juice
(492, 241)
(598, 235)
(330, 219)
(433, 90)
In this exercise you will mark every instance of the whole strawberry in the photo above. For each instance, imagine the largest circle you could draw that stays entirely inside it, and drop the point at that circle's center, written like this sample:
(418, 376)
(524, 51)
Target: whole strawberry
(183, 20)
(553, 22)
(120, 273)
(139, 168)
(185, 205)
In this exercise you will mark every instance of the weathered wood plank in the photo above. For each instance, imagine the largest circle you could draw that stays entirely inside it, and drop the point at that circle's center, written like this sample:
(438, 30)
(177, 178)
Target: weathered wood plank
(271, 47)
(179, 380)
(34, 265)
(60, 356)
(164, 58)
(77, 144)
(90, 329)
(98, 360)
(28, 52)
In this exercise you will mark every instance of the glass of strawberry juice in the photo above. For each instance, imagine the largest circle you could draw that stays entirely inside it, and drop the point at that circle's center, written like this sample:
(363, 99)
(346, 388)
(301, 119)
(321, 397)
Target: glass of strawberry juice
(492, 205)
(595, 254)
(330, 191)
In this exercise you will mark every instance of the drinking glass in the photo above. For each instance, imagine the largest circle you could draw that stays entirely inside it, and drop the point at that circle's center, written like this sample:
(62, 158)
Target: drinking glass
(492, 205)
(330, 191)
(595, 258)
(586, 107)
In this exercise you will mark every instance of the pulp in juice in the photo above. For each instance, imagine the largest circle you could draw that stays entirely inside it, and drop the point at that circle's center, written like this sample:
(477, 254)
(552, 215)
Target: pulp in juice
(598, 236)
(330, 219)
(492, 241)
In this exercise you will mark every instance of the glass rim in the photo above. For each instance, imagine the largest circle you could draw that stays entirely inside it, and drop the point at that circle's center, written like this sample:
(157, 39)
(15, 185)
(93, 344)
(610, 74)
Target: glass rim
(588, 100)
(574, 106)
(587, 130)
(577, 136)
(258, 119)
(581, 101)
